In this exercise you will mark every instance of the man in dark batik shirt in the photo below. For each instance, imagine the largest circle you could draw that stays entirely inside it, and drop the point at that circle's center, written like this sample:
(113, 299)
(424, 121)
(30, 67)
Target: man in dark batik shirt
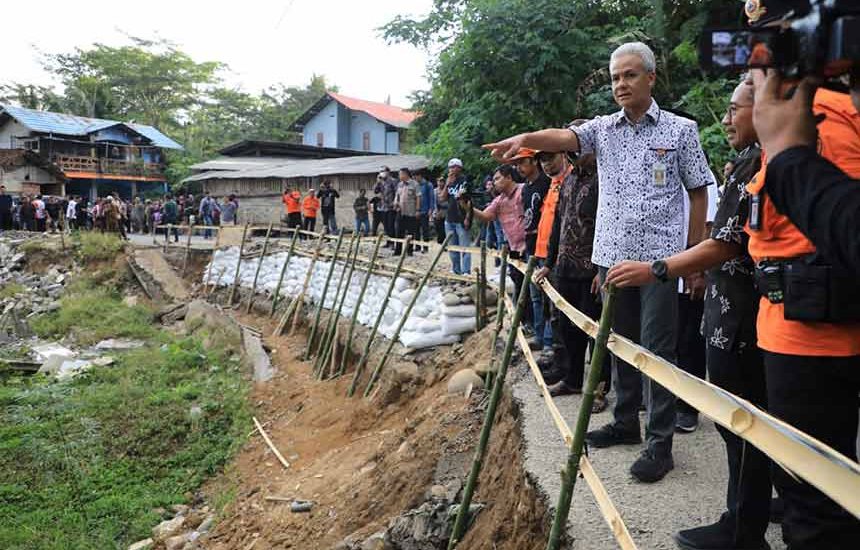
(733, 360)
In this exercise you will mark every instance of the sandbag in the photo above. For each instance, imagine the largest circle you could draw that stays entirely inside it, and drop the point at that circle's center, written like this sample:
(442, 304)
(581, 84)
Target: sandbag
(457, 325)
(458, 311)
(420, 340)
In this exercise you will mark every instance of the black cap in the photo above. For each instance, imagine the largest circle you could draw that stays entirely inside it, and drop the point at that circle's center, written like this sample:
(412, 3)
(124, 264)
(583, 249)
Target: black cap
(763, 12)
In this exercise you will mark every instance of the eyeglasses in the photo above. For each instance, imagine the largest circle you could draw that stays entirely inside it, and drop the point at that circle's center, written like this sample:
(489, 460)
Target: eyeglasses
(733, 110)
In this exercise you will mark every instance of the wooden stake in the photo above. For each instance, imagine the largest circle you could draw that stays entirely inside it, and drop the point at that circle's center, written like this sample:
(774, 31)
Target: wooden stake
(187, 249)
(480, 283)
(358, 301)
(316, 322)
(570, 471)
(366, 353)
(500, 314)
(490, 413)
(259, 267)
(62, 224)
(238, 265)
(331, 320)
(375, 375)
(271, 445)
(277, 295)
(295, 308)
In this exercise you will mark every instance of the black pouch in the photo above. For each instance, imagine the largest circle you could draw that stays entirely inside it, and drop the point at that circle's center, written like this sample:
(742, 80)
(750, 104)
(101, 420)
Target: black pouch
(807, 296)
(844, 298)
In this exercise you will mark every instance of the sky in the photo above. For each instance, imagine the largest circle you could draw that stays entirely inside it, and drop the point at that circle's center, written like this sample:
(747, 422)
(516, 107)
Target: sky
(263, 41)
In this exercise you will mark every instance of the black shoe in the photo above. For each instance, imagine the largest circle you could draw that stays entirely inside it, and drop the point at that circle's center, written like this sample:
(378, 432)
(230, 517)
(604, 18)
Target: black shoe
(609, 435)
(562, 388)
(552, 376)
(650, 467)
(687, 423)
(717, 536)
(535, 343)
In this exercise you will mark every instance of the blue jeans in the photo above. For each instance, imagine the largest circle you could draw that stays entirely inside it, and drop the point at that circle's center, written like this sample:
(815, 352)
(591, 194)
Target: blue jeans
(540, 325)
(461, 238)
(329, 222)
(362, 221)
(207, 220)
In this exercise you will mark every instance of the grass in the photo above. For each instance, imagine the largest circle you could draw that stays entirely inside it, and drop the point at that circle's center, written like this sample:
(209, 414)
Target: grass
(11, 289)
(94, 246)
(84, 464)
(90, 312)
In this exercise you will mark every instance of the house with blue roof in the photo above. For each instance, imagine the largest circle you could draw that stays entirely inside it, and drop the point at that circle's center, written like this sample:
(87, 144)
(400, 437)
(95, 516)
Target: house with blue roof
(86, 156)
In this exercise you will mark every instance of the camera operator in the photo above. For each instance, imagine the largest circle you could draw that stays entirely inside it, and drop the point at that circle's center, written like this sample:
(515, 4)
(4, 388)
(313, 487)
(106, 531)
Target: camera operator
(819, 198)
(809, 315)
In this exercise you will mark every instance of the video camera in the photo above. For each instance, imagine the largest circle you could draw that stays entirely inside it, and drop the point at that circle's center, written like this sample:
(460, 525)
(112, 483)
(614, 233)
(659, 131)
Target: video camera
(797, 37)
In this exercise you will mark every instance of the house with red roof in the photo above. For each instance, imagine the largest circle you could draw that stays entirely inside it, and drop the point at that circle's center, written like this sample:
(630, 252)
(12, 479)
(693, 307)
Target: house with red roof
(343, 122)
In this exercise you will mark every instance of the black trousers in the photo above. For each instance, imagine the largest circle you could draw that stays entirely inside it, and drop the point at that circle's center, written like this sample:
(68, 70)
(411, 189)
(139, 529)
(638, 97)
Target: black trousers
(309, 224)
(691, 345)
(389, 220)
(741, 372)
(407, 225)
(820, 396)
(423, 230)
(577, 292)
(294, 219)
(378, 218)
(439, 226)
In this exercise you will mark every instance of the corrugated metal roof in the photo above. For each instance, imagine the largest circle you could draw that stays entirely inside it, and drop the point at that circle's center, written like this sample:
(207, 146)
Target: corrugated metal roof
(73, 125)
(240, 163)
(306, 168)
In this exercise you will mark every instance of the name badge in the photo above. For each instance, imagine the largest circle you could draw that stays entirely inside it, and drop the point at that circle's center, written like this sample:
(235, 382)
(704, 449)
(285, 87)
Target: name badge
(658, 170)
(755, 212)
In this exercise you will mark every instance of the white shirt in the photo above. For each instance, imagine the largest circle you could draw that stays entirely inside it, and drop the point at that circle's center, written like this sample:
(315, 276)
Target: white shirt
(71, 213)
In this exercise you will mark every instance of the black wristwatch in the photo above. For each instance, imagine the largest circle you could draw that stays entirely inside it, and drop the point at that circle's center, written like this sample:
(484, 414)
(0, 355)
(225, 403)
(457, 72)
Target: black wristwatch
(660, 270)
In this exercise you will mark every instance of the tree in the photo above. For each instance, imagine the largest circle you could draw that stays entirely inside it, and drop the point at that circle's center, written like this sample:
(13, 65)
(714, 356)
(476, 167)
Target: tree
(508, 66)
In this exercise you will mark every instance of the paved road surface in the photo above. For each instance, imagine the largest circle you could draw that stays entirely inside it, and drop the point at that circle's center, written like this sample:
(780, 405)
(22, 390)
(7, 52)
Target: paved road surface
(692, 494)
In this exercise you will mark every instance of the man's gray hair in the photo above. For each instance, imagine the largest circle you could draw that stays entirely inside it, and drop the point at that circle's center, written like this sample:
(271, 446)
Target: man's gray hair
(639, 49)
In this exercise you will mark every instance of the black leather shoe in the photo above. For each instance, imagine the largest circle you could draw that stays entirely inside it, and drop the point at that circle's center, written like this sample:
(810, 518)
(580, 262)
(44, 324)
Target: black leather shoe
(551, 376)
(562, 388)
(609, 435)
(650, 467)
(717, 536)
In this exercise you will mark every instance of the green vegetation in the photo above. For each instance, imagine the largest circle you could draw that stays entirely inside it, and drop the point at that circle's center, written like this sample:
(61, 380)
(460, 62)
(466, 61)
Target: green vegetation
(508, 66)
(84, 464)
(90, 313)
(94, 246)
(11, 289)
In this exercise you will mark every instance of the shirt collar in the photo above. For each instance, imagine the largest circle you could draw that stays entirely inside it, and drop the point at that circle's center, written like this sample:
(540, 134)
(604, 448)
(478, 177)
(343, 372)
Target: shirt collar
(652, 113)
(558, 180)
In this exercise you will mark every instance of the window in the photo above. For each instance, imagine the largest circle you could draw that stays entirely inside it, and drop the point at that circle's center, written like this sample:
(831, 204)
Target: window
(365, 141)
(320, 139)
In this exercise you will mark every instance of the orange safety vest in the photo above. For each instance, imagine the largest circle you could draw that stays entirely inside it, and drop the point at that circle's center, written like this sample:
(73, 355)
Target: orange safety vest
(778, 238)
(291, 202)
(547, 214)
(310, 206)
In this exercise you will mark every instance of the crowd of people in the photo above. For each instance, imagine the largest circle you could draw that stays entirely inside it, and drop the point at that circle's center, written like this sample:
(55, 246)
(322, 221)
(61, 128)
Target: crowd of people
(114, 214)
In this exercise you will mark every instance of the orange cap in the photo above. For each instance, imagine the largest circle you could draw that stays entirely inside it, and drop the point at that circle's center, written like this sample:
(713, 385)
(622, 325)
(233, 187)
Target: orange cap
(524, 153)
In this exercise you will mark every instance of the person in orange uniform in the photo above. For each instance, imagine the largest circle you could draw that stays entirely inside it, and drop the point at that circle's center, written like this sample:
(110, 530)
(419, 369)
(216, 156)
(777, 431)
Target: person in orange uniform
(310, 207)
(292, 206)
(809, 334)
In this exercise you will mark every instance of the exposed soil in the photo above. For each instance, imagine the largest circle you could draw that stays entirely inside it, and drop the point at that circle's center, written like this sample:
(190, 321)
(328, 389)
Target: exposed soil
(365, 461)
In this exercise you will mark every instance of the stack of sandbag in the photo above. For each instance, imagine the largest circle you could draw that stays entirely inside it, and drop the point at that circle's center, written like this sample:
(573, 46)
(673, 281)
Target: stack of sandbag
(458, 312)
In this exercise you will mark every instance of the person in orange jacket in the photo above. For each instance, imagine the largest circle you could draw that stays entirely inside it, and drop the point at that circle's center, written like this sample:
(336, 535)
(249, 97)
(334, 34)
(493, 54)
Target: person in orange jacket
(292, 206)
(310, 207)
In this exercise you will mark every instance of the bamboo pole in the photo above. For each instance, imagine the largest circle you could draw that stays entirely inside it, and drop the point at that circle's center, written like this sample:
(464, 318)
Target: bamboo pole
(276, 296)
(301, 297)
(259, 267)
(330, 349)
(331, 320)
(480, 283)
(489, 416)
(62, 224)
(238, 265)
(269, 442)
(570, 471)
(187, 250)
(366, 353)
(375, 375)
(358, 301)
(315, 325)
(500, 314)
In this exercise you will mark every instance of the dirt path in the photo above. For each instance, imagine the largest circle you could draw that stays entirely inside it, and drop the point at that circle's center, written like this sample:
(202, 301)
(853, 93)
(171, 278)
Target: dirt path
(152, 261)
